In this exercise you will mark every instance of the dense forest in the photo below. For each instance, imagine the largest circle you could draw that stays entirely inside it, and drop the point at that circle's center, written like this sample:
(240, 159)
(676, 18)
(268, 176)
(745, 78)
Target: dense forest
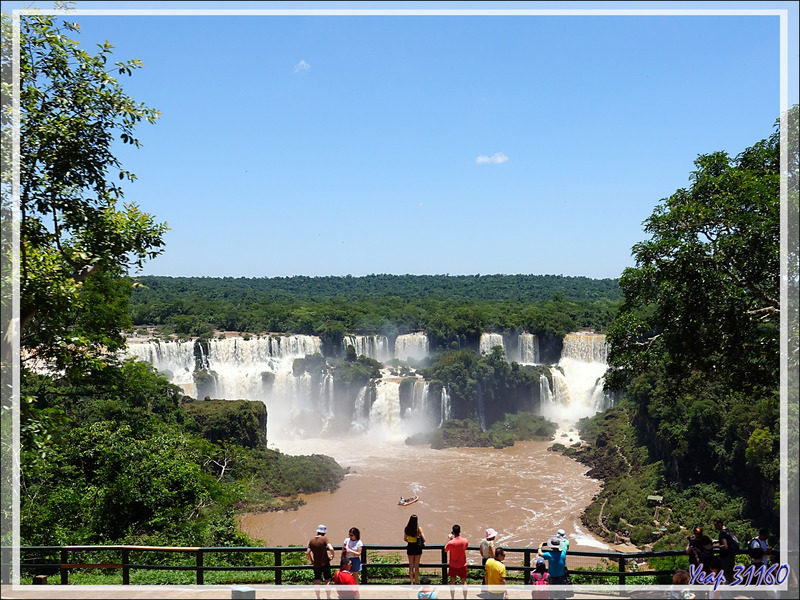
(453, 310)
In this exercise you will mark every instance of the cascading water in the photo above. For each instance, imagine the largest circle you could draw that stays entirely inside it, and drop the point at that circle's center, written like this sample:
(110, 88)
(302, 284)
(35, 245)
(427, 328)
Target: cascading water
(583, 361)
(489, 341)
(372, 346)
(411, 346)
(528, 349)
(174, 359)
(445, 406)
(384, 415)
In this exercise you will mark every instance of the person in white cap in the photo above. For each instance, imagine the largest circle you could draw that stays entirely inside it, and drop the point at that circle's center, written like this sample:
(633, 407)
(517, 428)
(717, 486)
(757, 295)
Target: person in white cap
(562, 535)
(320, 553)
(487, 549)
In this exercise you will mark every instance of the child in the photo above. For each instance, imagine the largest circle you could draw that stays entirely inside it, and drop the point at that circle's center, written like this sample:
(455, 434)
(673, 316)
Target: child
(540, 580)
(427, 592)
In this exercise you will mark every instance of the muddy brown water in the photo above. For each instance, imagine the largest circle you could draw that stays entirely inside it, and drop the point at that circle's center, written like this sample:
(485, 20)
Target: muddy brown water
(524, 492)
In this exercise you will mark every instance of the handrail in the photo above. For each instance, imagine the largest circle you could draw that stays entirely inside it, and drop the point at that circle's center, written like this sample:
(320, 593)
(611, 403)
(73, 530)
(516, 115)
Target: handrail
(125, 564)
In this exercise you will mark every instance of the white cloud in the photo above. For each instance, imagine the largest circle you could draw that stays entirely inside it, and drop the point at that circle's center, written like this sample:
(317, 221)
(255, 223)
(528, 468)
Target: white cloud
(301, 66)
(495, 159)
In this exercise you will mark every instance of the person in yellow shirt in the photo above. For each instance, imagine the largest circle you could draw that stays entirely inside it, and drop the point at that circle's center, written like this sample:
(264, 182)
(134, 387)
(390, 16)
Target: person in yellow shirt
(496, 575)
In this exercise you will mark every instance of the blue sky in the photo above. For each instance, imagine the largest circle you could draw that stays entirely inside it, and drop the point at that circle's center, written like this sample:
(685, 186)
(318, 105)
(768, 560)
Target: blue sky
(334, 145)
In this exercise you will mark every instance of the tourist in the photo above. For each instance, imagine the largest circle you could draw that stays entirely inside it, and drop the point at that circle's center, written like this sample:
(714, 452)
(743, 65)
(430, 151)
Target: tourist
(728, 546)
(415, 541)
(320, 553)
(496, 575)
(759, 549)
(427, 592)
(456, 547)
(704, 552)
(487, 548)
(351, 548)
(693, 545)
(556, 557)
(562, 535)
(540, 579)
(346, 585)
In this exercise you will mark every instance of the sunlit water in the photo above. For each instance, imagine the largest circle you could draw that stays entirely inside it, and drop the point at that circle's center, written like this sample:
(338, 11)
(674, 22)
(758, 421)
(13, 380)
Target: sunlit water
(524, 492)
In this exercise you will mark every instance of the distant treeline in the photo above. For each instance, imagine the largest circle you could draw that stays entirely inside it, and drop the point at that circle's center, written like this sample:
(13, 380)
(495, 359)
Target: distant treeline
(449, 308)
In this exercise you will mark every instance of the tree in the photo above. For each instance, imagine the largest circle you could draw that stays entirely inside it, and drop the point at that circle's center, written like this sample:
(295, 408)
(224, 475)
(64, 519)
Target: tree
(77, 242)
(696, 343)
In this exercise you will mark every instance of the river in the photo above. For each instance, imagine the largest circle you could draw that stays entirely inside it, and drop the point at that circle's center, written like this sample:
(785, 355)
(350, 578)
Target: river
(524, 492)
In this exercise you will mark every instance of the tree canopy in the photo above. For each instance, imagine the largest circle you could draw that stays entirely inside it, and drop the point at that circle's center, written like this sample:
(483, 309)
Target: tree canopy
(695, 345)
(77, 241)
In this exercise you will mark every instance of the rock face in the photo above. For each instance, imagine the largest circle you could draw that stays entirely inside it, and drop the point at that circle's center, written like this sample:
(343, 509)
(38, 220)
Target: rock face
(242, 422)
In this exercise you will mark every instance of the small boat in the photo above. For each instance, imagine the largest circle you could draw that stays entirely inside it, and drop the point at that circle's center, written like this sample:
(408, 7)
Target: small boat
(406, 501)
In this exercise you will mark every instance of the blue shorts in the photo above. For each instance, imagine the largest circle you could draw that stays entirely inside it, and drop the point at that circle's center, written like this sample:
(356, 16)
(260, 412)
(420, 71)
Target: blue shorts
(355, 564)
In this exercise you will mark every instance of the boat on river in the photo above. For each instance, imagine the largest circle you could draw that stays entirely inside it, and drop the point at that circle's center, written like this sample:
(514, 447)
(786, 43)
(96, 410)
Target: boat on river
(406, 501)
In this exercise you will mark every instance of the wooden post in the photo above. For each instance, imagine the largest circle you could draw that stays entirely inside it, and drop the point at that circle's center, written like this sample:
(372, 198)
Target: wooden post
(444, 568)
(278, 563)
(622, 570)
(363, 577)
(526, 561)
(126, 571)
(40, 580)
(199, 567)
(64, 561)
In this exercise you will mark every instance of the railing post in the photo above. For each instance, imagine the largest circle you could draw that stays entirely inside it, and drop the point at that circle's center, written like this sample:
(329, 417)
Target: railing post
(444, 568)
(64, 561)
(126, 571)
(622, 570)
(199, 567)
(278, 563)
(526, 562)
(363, 577)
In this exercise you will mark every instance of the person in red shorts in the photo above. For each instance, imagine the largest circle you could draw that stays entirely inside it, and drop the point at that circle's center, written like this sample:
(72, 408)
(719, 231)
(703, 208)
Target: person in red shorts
(456, 547)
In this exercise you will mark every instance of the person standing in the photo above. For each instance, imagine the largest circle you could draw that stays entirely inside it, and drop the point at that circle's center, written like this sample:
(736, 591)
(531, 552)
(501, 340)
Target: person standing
(728, 547)
(456, 547)
(562, 535)
(556, 558)
(346, 585)
(758, 548)
(540, 580)
(320, 553)
(414, 539)
(693, 546)
(487, 549)
(496, 575)
(351, 548)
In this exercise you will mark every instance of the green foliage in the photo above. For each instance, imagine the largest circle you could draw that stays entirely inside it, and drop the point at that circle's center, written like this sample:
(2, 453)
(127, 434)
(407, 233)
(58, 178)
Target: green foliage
(239, 422)
(452, 310)
(695, 345)
(467, 433)
(76, 243)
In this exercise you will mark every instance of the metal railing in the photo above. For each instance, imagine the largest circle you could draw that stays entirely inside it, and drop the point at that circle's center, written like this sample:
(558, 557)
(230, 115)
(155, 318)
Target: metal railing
(581, 563)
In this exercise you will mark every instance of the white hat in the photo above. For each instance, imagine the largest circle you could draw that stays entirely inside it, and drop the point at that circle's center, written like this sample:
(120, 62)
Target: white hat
(561, 533)
(490, 533)
(322, 529)
(555, 542)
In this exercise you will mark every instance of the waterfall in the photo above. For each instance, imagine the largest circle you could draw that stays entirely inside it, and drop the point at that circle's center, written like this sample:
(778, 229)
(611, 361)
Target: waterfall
(174, 359)
(583, 361)
(585, 347)
(489, 341)
(384, 414)
(528, 349)
(361, 410)
(445, 407)
(411, 347)
(372, 346)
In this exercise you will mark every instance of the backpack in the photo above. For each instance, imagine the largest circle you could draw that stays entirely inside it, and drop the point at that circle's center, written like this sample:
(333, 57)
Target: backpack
(545, 578)
(733, 541)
